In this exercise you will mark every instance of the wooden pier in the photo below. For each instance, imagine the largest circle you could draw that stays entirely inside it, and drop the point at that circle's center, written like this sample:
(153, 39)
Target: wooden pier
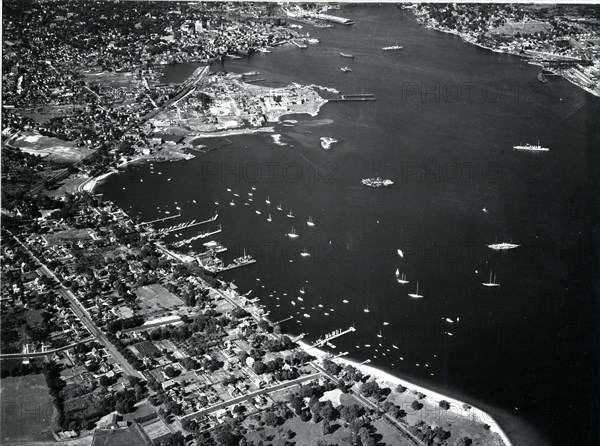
(331, 336)
(159, 219)
(187, 225)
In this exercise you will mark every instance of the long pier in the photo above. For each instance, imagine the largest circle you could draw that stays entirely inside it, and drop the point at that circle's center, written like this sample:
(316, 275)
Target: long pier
(236, 265)
(190, 224)
(355, 97)
(160, 219)
(180, 243)
(332, 335)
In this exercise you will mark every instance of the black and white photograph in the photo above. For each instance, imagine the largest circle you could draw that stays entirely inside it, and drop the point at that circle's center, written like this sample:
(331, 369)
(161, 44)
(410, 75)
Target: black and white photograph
(233, 223)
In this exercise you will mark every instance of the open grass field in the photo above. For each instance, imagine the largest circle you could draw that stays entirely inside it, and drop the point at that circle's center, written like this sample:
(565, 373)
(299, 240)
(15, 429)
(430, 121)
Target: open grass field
(53, 148)
(27, 409)
(153, 298)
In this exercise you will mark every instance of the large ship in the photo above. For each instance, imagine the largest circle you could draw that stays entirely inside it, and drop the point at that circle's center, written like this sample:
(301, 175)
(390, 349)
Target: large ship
(377, 182)
(350, 56)
(532, 148)
(503, 246)
(392, 48)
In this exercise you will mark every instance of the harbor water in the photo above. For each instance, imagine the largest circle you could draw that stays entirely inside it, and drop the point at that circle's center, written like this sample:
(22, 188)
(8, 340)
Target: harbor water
(446, 117)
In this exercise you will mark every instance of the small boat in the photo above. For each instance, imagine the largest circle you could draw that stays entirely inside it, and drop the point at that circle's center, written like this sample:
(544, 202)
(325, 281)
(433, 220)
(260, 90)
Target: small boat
(304, 253)
(346, 70)
(293, 303)
(402, 279)
(253, 187)
(268, 200)
(400, 253)
(503, 246)
(350, 56)
(216, 202)
(235, 194)
(532, 148)
(250, 194)
(302, 290)
(379, 335)
(392, 48)
(489, 283)
(345, 301)
(231, 203)
(300, 299)
(416, 294)
(258, 211)
(269, 218)
(310, 221)
(366, 310)
(279, 208)
(395, 346)
(291, 215)
(292, 233)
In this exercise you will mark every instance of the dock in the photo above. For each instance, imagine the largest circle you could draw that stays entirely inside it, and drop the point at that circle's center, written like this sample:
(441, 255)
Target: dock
(236, 265)
(355, 97)
(330, 336)
(159, 220)
(186, 225)
(180, 243)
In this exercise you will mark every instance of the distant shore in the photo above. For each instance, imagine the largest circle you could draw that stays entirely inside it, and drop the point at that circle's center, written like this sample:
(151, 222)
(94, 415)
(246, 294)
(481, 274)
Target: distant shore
(392, 381)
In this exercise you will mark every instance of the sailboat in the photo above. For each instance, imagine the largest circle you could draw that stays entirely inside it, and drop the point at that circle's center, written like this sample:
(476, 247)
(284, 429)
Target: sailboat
(279, 208)
(402, 279)
(269, 218)
(310, 221)
(400, 253)
(268, 200)
(379, 335)
(366, 310)
(397, 272)
(258, 211)
(304, 253)
(416, 294)
(232, 203)
(489, 282)
(292, 233)
(291, 215)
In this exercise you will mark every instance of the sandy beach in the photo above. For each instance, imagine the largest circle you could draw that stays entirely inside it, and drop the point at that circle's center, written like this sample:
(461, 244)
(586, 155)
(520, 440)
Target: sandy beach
(387, 380)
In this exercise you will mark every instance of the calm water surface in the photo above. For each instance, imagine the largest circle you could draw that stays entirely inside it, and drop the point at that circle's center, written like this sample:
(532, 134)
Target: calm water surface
(442, 128)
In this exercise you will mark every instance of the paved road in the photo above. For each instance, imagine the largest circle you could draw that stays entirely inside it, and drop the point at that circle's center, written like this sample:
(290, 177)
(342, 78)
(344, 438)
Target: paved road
(42, 354)
(83, 315)
(251, 395)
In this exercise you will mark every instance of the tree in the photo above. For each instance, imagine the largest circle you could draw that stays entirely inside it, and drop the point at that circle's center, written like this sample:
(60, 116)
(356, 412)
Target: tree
(416, 405)
(464, 441)
(444, 404)
(370, 388)
(259, 367)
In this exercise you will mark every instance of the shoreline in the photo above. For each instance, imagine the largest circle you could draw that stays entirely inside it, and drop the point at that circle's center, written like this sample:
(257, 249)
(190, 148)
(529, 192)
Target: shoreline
(456, 406)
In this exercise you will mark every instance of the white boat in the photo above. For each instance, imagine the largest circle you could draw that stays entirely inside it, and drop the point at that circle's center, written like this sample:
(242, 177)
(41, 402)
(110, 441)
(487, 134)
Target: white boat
(489, 283)
(503, 246)
(305, 253)
(253, 187)
(327, 141)
(345, 301)
(349, 56)
(232, 203)
(400, 253)
(392, 48)
(531, 148)
(302, 290)
(366, 310)
(258, 211)
(402, 279)
(291, 215)
(416, 294)
(268, 200)
(279, 208)
(379, 335)
(292, 233)
(397, 272)
(310, 221)
(269, 218)
(216, 202)
(346, 70)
